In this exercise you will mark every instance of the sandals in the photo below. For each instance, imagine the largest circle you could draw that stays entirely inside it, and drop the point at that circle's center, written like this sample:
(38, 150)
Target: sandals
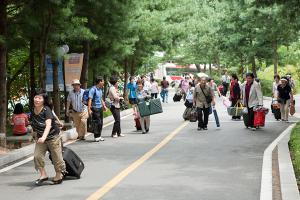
(55, 182)
(39, 182)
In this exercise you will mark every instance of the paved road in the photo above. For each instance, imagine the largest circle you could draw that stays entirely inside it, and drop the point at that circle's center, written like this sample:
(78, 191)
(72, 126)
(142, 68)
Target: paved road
(217, 164)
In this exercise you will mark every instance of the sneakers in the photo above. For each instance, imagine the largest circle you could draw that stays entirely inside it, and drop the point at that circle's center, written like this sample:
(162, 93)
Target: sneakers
(114, 136)
(205, 128)
(99, 139)
(121, 135)
(253, 129)
(199, 128)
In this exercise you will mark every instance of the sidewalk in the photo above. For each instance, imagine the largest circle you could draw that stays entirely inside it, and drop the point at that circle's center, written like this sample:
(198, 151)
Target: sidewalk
(287, 186)
(11, 157)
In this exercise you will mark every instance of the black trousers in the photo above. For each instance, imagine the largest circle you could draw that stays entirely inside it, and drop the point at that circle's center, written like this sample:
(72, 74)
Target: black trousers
(153, 95)
(117, 125)
(225, 88)
(202, 123)
(251, 116)
(97, 121)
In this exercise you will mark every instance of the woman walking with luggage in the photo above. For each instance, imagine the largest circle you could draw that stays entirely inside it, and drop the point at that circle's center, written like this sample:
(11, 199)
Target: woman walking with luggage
(114, 96)
(47, 133)
(235, 93)
(252, 97)
(275, 86)
(142, 95)
(285, 98)
(203, 99)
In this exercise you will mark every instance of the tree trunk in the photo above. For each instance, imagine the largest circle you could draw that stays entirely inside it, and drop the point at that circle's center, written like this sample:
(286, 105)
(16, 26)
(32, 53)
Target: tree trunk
(210, 70)
(125, 96)
(204, 68)
(3, 75)
(132, 70)
(198, 67)
(31, 74)
(56, 99)
(253, 66)
(47, 23)
(84, 72)
(275, 57)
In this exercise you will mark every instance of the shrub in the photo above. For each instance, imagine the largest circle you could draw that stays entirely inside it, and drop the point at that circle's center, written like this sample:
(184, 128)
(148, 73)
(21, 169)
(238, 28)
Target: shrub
(266, 86)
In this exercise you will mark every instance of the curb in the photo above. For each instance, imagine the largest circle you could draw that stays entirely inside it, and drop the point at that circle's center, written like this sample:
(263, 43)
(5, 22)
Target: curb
(288, 183)
(266, 189)
(27, 151)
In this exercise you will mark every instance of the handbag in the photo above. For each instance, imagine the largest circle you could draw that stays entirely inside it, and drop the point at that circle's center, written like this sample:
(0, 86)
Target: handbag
(237, 110)
(292, 110)
(208, 97)
(193, 115)
(188, 104)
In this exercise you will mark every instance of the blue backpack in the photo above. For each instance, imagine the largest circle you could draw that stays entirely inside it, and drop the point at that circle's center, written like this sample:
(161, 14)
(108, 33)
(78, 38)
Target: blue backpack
(85, 96)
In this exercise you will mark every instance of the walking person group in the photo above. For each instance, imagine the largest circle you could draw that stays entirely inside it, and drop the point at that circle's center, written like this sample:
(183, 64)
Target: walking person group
(200, 96)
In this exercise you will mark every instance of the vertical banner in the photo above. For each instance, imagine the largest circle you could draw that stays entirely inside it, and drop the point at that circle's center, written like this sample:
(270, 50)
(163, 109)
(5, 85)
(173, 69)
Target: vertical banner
(73, 66)
(49, 74)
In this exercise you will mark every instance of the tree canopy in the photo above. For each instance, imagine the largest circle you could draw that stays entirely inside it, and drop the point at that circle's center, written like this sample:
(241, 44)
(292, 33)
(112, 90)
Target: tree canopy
(118, 36)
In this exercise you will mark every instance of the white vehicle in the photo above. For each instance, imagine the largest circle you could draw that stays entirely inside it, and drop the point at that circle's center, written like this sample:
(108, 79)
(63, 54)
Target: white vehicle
(174, 73)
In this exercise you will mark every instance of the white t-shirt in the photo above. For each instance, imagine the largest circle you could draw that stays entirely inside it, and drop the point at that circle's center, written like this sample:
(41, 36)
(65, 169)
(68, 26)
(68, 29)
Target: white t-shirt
(154, 87)
(147, 86)
(274, 90)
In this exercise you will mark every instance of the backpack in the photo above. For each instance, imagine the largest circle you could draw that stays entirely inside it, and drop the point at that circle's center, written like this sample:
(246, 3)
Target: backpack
(85, 96)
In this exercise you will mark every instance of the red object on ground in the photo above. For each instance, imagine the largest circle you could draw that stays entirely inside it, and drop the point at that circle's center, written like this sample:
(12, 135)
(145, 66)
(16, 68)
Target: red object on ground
(259, 118)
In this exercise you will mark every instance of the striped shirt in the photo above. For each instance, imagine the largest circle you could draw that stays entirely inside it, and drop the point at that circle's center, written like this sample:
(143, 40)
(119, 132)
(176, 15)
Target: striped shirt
(75, 98)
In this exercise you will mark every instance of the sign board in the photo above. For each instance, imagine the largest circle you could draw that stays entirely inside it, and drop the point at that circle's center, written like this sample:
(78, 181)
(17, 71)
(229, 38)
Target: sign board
(49, 74)
(73, 65)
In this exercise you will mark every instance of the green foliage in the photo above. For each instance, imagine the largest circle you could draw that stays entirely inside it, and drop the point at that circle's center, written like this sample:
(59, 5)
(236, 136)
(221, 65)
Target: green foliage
(228, 34)
(294, 145)
(266, 87)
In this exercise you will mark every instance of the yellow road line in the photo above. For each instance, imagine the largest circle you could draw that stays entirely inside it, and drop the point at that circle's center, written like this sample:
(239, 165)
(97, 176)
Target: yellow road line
(117, 179)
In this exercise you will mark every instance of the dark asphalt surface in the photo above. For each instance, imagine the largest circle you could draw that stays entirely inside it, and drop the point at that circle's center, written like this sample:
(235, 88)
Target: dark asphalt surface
(216, 164)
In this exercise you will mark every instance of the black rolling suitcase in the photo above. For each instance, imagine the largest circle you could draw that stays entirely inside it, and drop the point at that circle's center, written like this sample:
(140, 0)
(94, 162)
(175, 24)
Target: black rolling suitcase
(74, 165)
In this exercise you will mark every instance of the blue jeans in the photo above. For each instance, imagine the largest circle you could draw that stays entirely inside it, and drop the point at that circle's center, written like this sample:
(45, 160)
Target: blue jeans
(164, 94)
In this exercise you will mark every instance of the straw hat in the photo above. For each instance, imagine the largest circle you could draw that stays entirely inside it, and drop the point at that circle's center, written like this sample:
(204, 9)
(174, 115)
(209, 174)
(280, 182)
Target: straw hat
(76, 82)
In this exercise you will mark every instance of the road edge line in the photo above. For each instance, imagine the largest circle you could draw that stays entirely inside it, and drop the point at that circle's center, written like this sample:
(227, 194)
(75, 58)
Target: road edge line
(133, 166)
(266, 188)
(17, 164)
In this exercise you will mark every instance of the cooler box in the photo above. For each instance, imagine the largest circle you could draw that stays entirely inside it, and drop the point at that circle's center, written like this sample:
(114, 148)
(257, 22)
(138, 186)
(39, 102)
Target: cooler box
(155, 106)
(144, 108)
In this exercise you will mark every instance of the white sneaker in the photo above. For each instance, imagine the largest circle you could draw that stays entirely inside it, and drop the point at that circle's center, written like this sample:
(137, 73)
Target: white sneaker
(115, 136)
(99, 139)
(253, 129)
(121, 135)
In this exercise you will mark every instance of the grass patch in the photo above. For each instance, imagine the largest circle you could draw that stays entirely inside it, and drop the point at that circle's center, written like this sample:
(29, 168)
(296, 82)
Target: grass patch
(294, 145)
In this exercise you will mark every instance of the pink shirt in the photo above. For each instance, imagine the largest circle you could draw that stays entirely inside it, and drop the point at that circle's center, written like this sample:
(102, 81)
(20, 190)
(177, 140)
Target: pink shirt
(20, 122)
(185, 85)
